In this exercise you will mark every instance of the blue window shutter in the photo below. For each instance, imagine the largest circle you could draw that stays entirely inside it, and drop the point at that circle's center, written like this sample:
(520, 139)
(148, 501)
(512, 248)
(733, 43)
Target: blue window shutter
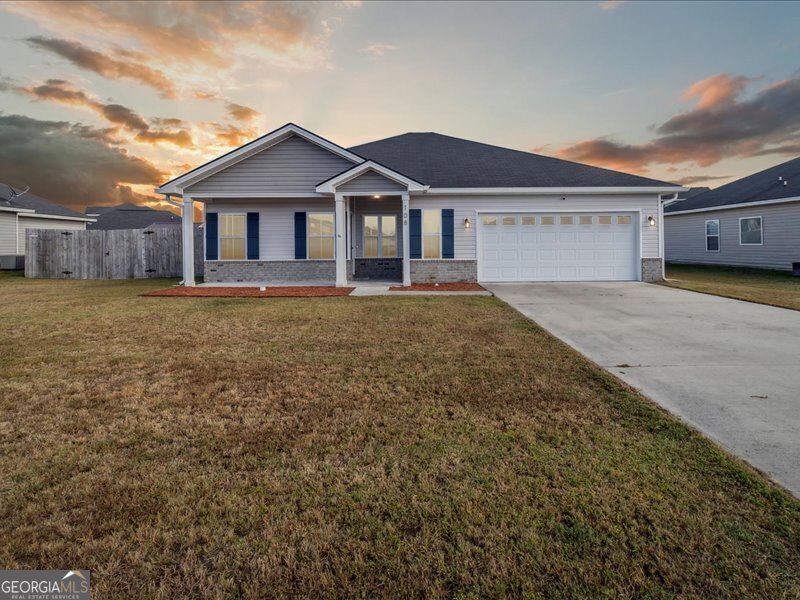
(212, 237)
(252, 236)
(448, 233)
(300, 235)
(415, 232)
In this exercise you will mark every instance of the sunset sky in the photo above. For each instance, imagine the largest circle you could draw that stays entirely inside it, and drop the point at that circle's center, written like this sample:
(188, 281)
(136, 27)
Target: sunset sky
(100, 102)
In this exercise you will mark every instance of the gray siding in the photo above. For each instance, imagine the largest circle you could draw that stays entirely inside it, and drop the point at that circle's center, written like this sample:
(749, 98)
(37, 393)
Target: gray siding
(292, 167)
(685, 237)
(26, 223)
(371, 182)
(8, 233)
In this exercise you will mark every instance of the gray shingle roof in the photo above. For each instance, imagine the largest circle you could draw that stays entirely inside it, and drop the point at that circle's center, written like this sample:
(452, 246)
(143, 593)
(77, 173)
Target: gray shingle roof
(447, 162)
(763, 185)
(33, 202)
(129, 216)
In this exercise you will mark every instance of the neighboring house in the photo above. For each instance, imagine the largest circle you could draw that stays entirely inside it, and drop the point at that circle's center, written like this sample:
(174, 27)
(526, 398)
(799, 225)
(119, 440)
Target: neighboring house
(20, 211)
(418, 207)
(130, 216)
(750, 222)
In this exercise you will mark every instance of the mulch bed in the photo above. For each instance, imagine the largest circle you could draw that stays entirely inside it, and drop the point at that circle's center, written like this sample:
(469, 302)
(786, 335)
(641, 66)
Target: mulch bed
(253, 292)
(439, 287)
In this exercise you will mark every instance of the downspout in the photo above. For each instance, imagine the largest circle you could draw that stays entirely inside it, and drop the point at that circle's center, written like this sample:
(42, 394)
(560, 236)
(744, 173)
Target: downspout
(661, 226)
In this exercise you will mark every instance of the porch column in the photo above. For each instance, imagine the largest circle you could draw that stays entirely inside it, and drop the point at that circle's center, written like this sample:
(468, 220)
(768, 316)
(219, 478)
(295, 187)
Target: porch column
(341, 249)
(406, 243)
(187, 224)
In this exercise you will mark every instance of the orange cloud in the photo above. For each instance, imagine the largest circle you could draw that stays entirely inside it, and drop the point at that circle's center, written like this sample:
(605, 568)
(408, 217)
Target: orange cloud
(108, 67)
(241, 112)
(716, 90)
(720, 126)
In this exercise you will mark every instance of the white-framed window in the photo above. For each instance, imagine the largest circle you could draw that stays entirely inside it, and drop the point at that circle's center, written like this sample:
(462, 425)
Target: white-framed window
(510, 220)
(566, 219)
(528, 220)
(712, 235)
(490, 220)
(232, 238)
(751, 231)
(548, 220)
(380, 236)
(604, 219)
(624, 220)
(432, 233)
(585, 220)
(321, 231)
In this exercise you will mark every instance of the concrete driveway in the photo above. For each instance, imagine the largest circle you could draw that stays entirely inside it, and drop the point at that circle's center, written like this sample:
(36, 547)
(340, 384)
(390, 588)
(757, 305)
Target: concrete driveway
(730, 368)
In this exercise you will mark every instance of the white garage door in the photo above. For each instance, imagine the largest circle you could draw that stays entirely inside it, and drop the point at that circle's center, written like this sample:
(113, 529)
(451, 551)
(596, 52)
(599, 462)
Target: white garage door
(557, 247)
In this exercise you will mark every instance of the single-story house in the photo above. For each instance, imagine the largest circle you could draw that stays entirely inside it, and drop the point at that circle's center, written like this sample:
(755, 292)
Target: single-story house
(130, 216)
(418, 207)
(20, 211)
(750, 222)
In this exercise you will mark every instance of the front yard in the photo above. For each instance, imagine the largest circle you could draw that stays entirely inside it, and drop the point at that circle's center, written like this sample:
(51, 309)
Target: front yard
(776, 288)
(340, 447)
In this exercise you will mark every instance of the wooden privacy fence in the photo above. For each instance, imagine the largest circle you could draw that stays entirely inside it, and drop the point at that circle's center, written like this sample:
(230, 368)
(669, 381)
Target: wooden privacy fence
(113, 254)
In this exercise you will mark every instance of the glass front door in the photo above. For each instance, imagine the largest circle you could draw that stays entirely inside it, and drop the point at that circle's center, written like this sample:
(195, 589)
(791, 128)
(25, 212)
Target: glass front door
(380, 236)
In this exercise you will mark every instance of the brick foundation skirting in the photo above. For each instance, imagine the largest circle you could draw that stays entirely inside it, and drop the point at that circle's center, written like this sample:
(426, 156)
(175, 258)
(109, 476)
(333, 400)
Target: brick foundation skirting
(266, 271)
(443, 271)
(651, 270)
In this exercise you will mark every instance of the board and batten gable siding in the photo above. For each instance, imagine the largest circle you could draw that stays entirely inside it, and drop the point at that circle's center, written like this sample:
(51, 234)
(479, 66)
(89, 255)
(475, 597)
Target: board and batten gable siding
(685, 239)
(275, 220)
(8, 233)
(467, 207)
(371, 182)
(26, 223)
(292, 167)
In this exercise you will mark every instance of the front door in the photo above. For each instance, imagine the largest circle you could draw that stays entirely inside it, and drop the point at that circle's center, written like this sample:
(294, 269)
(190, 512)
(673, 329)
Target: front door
(379, 257)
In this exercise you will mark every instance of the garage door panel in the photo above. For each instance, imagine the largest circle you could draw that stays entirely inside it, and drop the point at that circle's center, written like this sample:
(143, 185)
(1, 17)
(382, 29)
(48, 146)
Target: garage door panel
(520, 249)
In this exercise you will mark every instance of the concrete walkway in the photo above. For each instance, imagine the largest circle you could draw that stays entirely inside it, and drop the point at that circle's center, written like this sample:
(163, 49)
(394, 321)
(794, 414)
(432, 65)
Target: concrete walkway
(729, 368)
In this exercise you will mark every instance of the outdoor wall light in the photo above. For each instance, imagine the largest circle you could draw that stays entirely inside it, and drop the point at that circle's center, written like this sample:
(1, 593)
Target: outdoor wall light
(651, 220)
(376, 196)
(466, 223)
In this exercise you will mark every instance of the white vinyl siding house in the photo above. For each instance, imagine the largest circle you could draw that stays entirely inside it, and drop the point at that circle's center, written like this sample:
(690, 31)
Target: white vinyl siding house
(26, 223)
(378, 223)
(8, 233)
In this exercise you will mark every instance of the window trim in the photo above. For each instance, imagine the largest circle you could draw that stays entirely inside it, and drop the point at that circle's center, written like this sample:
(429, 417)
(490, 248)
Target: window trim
(423, 234)
(380, 235)
(309, 234)
(718, 236)
(220, 215)
(761, 221)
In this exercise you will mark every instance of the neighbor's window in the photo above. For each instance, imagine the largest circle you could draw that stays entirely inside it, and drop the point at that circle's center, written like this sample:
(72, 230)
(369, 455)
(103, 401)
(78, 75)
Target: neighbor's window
(320, 235)
(623, 220)
(712, 235)
(750, 231)
(585, 219)
(566, 220)
(548, 220)
(232, 240)
(432, 233)
(489, 220)
(529, 220)
(380, 236)
(604, 220)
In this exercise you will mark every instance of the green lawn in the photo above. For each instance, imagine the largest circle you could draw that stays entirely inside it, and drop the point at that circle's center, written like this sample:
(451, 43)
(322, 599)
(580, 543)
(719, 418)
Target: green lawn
(776, 288)
(340, 447)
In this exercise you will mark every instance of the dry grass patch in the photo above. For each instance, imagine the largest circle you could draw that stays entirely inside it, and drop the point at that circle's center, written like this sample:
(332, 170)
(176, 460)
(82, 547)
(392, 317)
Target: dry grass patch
(343, 447)
(775, 288)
